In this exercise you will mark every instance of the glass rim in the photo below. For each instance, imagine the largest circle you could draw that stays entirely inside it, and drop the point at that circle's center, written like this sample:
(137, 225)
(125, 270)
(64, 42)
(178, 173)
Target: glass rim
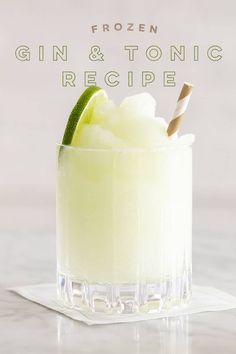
(171, 146)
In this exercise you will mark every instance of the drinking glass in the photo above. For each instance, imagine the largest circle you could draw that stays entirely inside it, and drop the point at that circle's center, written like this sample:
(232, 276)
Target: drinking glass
(124, 220)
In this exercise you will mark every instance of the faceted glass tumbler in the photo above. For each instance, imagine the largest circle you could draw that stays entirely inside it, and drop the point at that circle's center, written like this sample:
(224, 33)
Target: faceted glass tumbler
(124, 228)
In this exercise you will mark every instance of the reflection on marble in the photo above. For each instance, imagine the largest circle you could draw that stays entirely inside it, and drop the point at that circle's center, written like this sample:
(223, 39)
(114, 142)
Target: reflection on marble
(28, 257)
(166, 336)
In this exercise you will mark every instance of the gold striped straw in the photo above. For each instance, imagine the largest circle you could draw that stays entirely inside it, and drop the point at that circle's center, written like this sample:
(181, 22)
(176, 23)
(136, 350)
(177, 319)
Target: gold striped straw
(180, 109)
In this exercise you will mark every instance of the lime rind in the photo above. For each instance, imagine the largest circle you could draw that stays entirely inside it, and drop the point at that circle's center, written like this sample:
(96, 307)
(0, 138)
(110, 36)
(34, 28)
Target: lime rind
(82, 113)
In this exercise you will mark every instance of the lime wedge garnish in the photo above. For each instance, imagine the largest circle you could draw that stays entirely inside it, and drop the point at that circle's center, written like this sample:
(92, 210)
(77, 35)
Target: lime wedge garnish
(82, 113)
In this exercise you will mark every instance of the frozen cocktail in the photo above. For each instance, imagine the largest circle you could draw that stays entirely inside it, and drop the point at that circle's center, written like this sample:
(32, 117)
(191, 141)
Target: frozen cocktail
(124, 206)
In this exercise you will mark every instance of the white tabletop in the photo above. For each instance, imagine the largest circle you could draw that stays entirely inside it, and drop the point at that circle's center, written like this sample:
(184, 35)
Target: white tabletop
(27, 249)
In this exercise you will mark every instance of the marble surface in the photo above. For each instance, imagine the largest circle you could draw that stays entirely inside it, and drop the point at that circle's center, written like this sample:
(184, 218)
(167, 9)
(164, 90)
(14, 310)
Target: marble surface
(27, 256)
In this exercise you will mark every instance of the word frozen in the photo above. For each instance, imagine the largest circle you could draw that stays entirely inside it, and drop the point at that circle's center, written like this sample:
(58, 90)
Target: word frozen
(127, 27)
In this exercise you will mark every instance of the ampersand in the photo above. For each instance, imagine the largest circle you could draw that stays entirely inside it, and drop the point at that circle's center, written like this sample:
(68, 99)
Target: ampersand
(96, 54)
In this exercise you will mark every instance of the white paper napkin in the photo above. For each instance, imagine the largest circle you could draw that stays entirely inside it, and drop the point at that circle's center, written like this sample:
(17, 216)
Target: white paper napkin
(203, 299)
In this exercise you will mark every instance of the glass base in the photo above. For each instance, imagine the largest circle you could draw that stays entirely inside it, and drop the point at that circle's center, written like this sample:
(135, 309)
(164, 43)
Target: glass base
(123, 298)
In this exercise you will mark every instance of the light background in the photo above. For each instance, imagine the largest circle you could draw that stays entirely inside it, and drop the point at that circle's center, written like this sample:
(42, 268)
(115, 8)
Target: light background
(34, 107)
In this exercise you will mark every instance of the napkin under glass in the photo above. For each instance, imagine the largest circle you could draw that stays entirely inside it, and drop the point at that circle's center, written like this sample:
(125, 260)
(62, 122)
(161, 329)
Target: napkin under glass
(203, 299)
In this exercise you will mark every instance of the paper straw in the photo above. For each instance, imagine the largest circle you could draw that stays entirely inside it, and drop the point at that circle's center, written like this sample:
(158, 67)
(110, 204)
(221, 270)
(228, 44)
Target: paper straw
(180, 109)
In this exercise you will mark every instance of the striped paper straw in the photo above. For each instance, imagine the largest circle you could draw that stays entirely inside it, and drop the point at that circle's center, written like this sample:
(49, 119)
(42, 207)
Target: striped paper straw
(180, 109)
